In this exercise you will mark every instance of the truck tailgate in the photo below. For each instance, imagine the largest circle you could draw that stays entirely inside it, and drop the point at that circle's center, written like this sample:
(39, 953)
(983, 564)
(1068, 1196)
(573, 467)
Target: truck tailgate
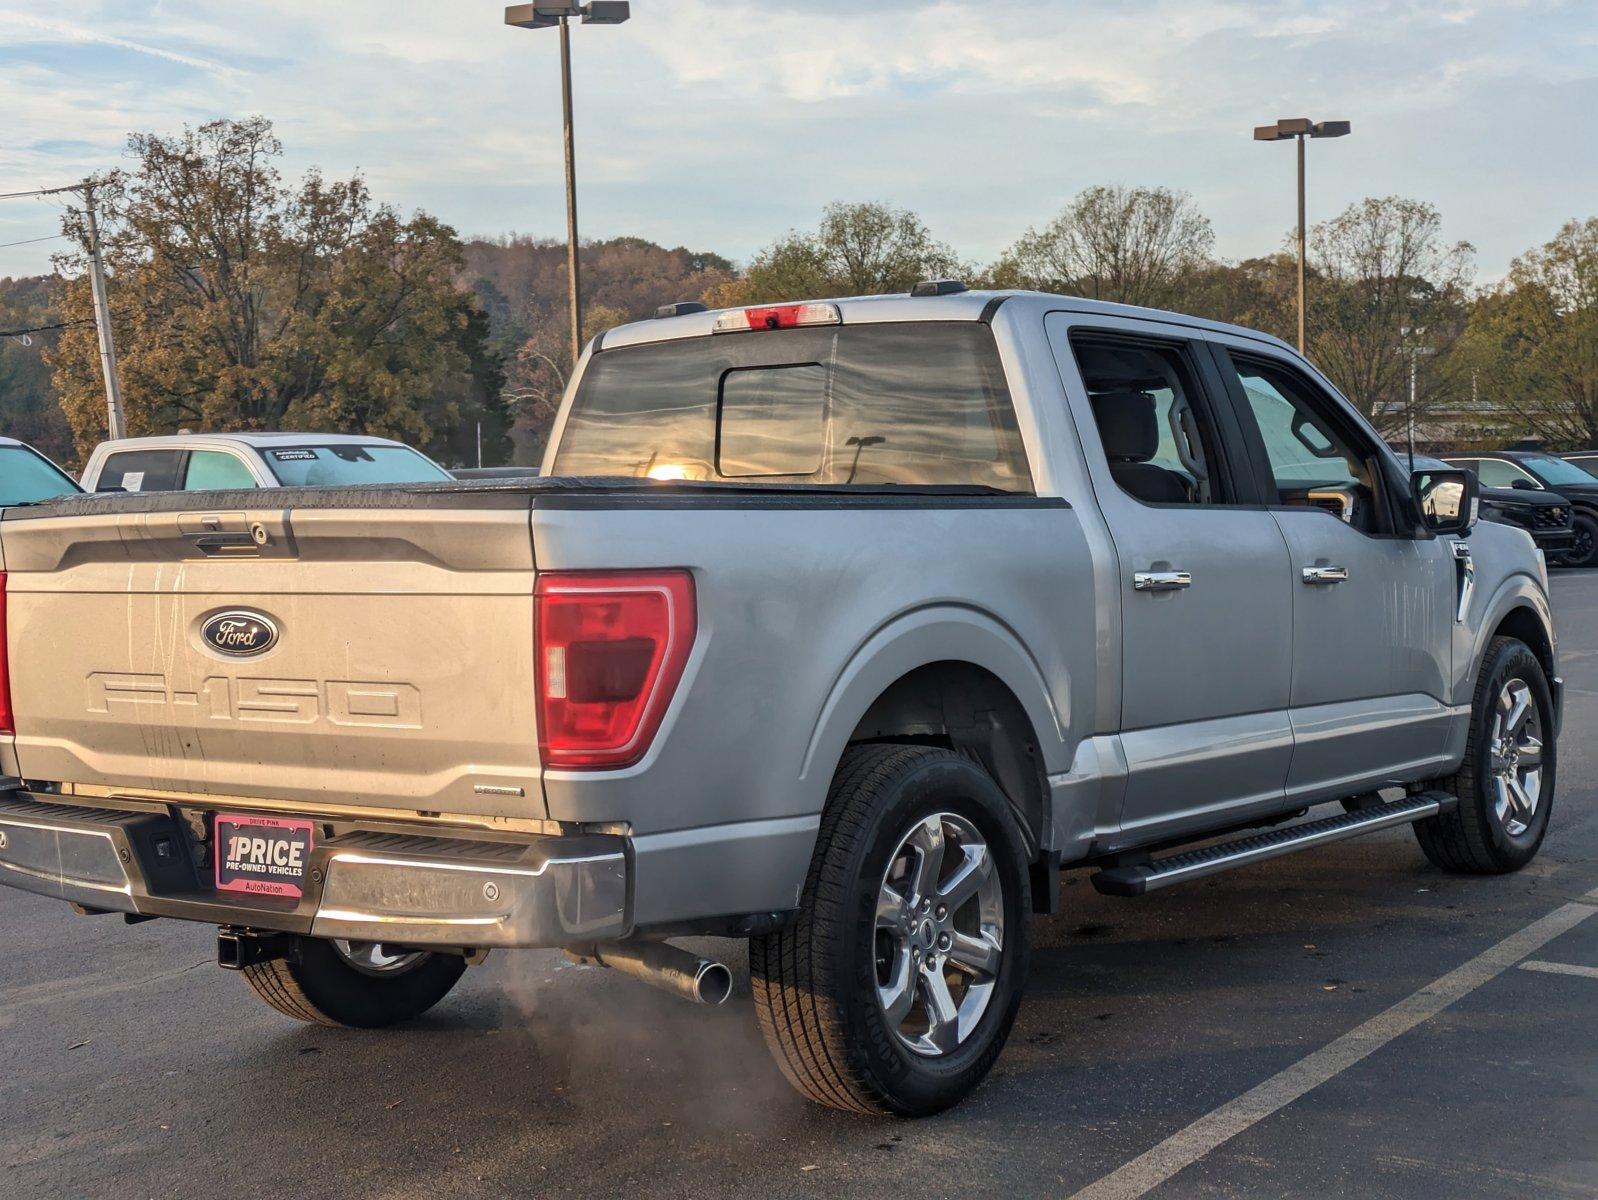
(354, 656)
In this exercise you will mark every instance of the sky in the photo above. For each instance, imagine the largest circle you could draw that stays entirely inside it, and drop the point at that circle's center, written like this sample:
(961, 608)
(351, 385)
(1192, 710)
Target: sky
(721, 124)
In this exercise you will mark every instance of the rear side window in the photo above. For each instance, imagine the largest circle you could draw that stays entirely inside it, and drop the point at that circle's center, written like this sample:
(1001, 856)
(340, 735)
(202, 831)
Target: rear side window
(920, 403)
(215, 470)
(141, 471)
(1500, 473)
(1158, 439)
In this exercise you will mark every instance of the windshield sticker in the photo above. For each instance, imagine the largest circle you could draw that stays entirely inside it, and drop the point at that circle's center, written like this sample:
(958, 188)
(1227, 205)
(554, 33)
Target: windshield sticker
(294, 455)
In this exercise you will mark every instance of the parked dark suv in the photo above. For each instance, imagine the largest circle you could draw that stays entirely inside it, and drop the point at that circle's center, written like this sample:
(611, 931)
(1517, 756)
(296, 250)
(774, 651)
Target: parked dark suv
(1541, 513)
(1587, 460)
(1531, 471)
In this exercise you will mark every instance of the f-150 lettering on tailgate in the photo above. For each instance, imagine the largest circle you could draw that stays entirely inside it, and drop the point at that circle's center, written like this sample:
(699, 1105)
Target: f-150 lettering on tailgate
(279, 701)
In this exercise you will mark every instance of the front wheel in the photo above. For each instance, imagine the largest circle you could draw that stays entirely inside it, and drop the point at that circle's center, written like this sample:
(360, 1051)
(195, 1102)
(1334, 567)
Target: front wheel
(1583, 550)
(1506, 783)
(362, 985)
(895, 989)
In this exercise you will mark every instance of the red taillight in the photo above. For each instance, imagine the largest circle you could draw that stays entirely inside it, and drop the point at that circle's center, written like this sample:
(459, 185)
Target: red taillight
(777, 316)
(7, 723)
(611, 650)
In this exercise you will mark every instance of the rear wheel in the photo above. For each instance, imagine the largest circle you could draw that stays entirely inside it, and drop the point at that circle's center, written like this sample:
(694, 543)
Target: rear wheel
(1583, 550)
(363, 985)
(1506, 783)
(897, 986)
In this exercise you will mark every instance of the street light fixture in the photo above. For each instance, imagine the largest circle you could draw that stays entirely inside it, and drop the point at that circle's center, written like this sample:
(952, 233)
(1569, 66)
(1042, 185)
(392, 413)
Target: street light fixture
(546, 16)
(1299, 129)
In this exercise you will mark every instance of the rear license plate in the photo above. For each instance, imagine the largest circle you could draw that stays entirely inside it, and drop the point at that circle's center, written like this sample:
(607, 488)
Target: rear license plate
(265, 856)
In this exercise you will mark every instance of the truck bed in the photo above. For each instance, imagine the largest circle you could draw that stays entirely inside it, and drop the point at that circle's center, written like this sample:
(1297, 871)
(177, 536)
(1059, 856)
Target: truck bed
(403, 681)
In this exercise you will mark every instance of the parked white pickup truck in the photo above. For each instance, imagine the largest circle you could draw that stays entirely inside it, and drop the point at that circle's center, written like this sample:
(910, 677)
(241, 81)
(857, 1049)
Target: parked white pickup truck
(208, 462)
(841, 627)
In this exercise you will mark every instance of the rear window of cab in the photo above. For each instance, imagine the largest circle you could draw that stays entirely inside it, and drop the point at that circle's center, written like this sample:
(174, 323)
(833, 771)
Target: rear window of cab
(921, 403)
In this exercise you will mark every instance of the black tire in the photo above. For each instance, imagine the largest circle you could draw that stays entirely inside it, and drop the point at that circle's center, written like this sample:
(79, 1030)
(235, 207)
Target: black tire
(1583, 551)
(815, 983)
(1473, 839)
(318, 985)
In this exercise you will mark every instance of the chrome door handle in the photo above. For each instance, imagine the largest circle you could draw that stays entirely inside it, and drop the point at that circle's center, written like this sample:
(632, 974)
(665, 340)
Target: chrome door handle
(1160, 581)
(1319, 575)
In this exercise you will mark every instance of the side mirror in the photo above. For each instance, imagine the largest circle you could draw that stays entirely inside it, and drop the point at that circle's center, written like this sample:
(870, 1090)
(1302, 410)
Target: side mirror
(1447, 500)
(1523, 485)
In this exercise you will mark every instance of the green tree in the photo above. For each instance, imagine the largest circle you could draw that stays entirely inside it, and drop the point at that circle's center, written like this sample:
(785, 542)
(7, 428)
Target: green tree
(1130, 245)
(242, 303)
(1532, 342)
(858, 250)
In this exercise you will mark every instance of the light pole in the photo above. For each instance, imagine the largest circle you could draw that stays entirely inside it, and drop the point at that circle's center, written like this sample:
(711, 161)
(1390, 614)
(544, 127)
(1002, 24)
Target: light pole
(544, 15)
(1300, 128)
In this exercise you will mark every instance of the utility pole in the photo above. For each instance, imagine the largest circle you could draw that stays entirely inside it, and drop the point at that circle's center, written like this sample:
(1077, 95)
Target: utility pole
(116, 426)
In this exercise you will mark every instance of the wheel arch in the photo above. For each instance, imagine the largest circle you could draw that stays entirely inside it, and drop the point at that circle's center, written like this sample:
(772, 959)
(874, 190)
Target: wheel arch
(1518, 609)
(955, 677)
(1522, 622)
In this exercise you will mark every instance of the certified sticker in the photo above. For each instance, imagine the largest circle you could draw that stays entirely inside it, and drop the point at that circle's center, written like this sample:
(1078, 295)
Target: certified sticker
(264, 856)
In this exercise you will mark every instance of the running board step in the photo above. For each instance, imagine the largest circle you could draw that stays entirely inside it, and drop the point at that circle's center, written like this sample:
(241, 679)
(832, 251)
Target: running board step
(1134, 879)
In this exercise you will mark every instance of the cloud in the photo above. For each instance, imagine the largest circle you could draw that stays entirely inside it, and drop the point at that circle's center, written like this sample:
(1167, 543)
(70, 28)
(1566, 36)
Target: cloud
(722, 123)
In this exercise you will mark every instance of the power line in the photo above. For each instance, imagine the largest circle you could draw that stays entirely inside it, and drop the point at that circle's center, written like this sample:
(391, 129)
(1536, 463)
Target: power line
(46, 328)
(76, 187)
(30, 241)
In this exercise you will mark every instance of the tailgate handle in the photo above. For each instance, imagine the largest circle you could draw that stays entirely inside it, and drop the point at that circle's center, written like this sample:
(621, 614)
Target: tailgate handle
(225, 533)
(220, 543)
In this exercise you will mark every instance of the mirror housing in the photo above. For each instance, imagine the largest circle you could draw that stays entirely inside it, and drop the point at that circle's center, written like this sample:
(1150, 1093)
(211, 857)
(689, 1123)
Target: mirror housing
(1445, 500)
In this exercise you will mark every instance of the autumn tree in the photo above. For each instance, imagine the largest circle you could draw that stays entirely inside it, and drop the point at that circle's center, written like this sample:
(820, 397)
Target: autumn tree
(1532, 341)
(521, 283)
(28, 408)
(1130, 245)
(541, 368)
(1386, 290)
(243, 303)
(858, 250)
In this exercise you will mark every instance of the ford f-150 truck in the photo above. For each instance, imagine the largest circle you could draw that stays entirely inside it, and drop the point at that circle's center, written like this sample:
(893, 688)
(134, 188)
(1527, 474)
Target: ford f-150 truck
(841, 626)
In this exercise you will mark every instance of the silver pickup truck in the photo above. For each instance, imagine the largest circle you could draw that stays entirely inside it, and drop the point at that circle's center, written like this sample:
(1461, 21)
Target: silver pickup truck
(842, 627)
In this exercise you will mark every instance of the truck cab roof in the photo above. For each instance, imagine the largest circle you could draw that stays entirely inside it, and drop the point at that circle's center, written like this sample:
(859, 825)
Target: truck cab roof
(983, 305)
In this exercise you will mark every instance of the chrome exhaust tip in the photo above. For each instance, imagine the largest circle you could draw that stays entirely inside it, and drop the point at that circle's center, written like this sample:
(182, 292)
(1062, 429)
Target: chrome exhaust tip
(659, 964)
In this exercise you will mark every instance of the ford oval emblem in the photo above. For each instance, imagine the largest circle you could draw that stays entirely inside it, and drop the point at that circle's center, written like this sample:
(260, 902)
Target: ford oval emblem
(239, 633)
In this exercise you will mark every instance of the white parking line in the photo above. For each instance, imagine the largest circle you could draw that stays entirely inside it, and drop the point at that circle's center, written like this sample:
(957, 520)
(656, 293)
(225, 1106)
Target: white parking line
(1553, 968)
(1185, 1147)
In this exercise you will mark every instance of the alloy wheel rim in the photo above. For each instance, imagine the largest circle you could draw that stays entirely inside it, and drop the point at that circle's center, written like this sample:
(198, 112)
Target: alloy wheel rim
(1516, 758)
(939, 934)
(375, 958)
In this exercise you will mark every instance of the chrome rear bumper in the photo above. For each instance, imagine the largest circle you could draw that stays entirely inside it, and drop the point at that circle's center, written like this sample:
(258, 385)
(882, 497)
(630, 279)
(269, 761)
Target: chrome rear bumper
(416, 890)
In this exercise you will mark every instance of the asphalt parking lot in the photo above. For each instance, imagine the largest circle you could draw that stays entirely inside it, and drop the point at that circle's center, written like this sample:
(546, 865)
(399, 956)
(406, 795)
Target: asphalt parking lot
(1345, 1022)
